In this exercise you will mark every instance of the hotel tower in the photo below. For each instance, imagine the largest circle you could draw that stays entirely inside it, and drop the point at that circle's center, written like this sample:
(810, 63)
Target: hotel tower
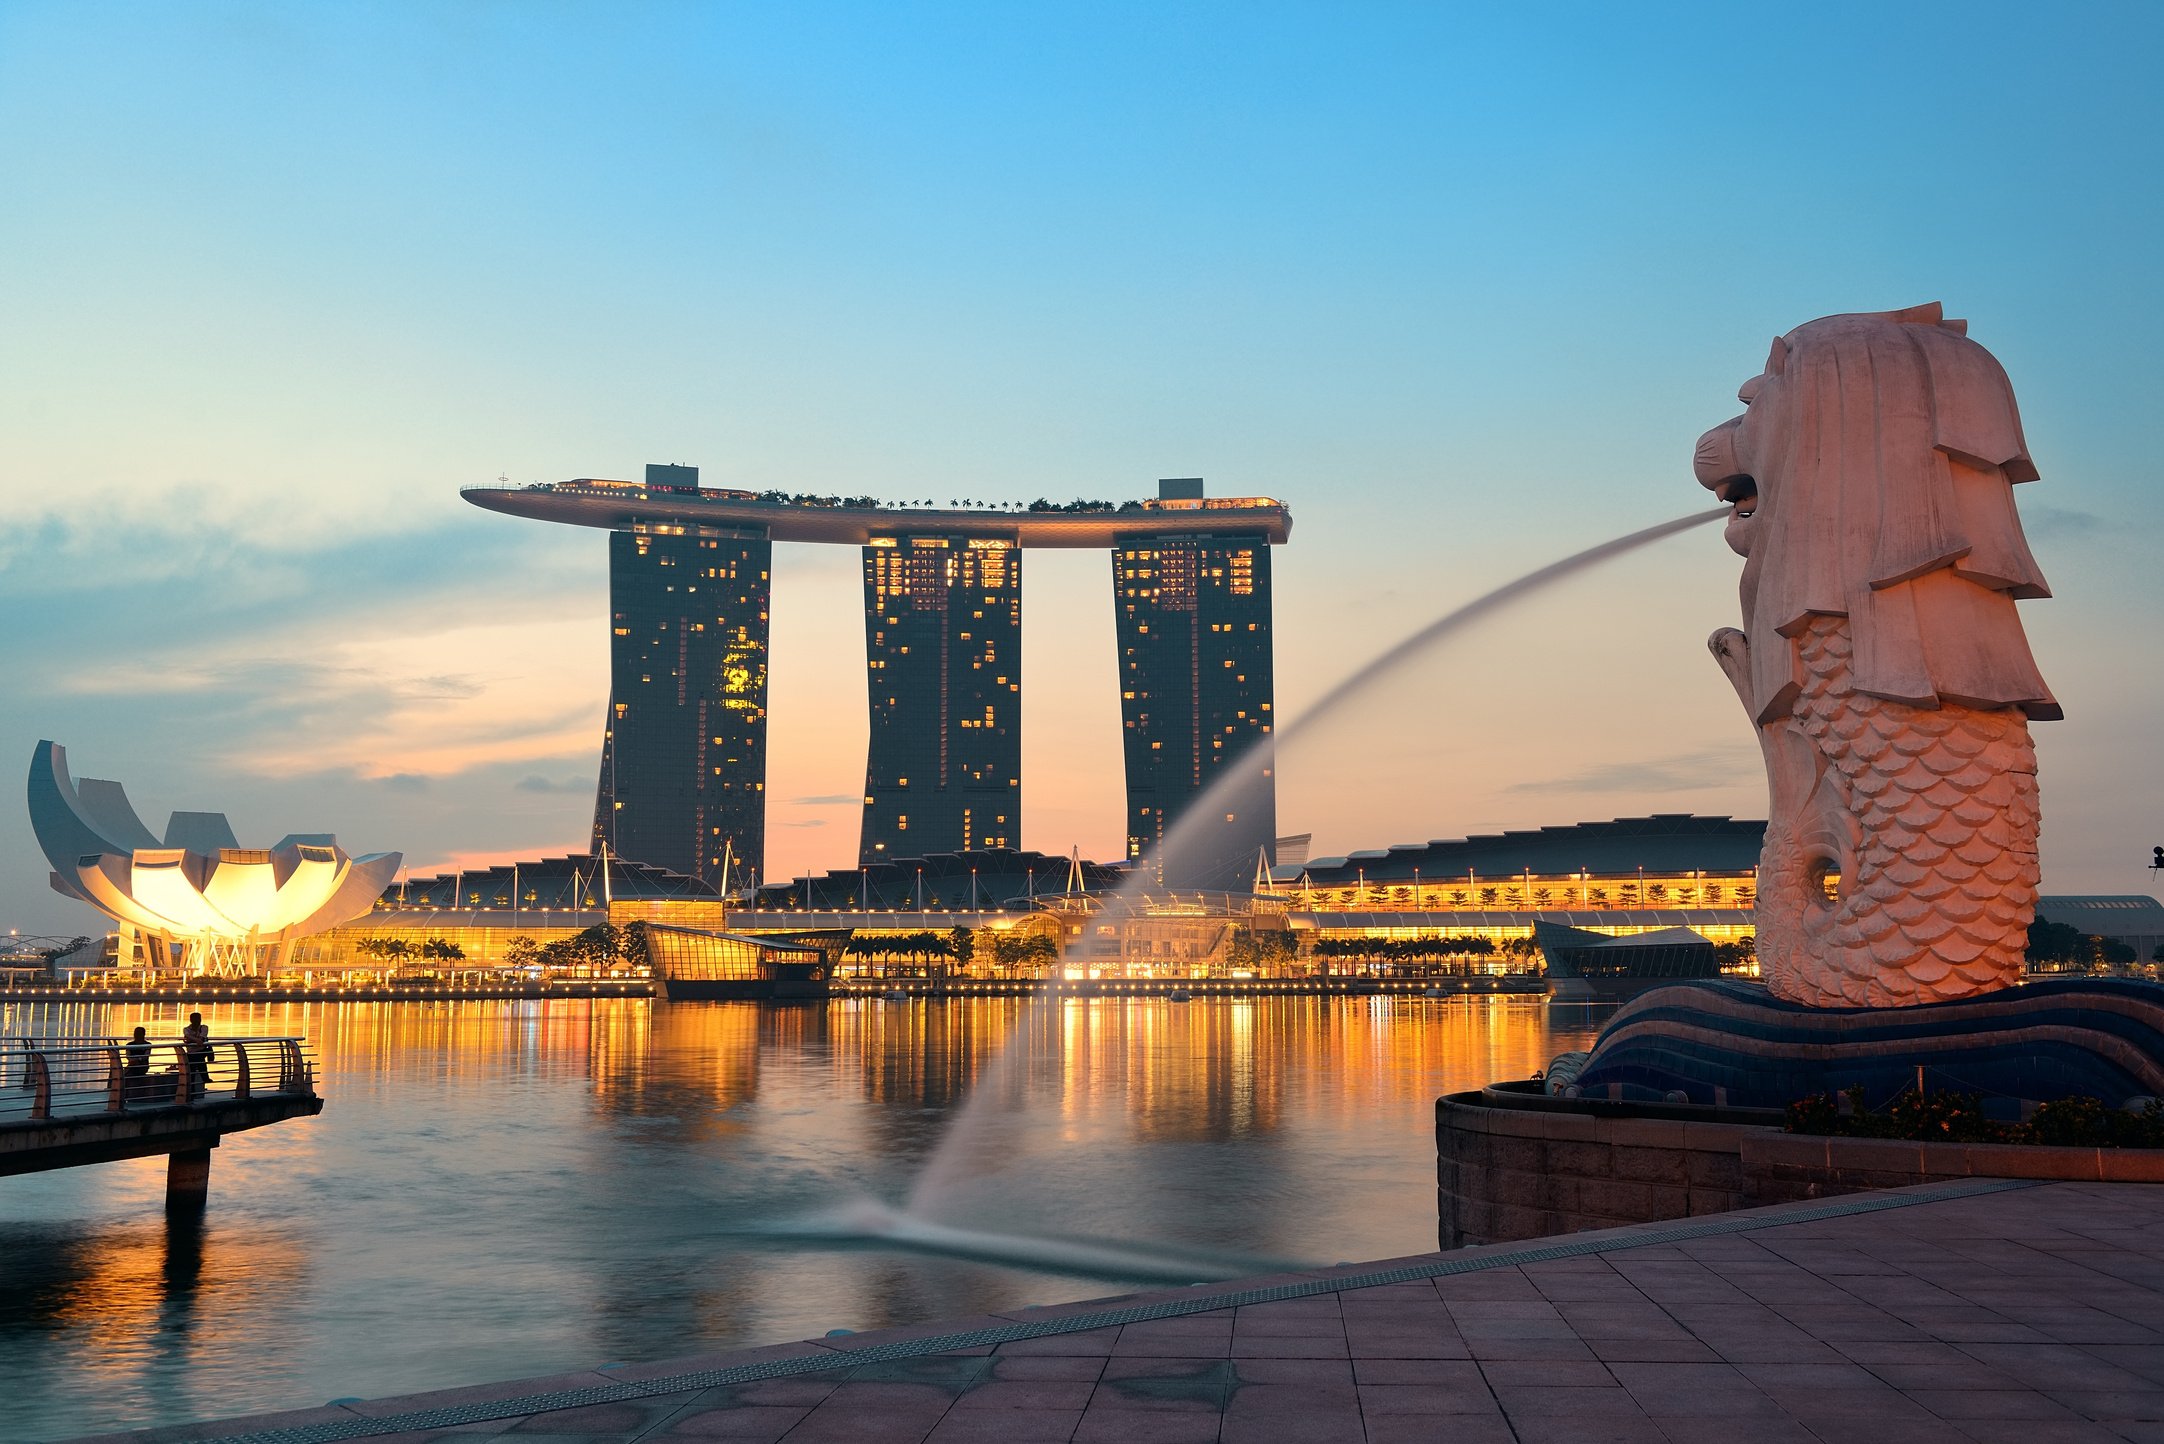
(683, 763)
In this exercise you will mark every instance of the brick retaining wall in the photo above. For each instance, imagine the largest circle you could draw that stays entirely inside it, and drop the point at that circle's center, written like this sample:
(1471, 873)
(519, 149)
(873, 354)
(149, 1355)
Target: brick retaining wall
(1512, 1167)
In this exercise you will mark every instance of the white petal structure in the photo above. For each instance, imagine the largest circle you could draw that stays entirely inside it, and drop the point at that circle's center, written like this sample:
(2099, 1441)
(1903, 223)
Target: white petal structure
(198, 897)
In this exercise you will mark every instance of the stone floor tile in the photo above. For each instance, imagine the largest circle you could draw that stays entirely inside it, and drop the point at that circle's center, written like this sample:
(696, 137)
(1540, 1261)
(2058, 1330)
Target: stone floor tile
(1333, 1426)
(1092, 1341)
(1652, 1351)
(1900, 1351)
(1007, 1426)
(1990, 1404)
(1840, 1409)
(1413, 1345)
(2146, 1405)
(1292, 1371)
(1609, 1402)
(1910, 1377)
(1135, 1343)
(1176, 1385)
(1454, 1399)
(1621, 1321)
(2039, 1431)
(1455, 1373)
(2057, 1366)
(1292, 1398)
(1923, 1428)
(1291, 1326)
(629, 1417)
(1220, 1371)
(1317, 1306)
(1422, 1429)
(943, 1371)
(2146, 1360)
(1485, 1310)
(1714, 1429)
(1488, 1285)
(1289, 1346)
(1744, 1349)
(843, 1424)
(1571, 1429)
(880, 1396)
(1485, 1349)
(1550, 1373)
(1046, 1366)
(1072, 1395)
(1810, 1376)
(744, 1424)
(1137, 1426)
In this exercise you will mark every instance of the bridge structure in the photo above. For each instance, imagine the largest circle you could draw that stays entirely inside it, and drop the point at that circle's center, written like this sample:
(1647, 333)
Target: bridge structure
(65, 1103)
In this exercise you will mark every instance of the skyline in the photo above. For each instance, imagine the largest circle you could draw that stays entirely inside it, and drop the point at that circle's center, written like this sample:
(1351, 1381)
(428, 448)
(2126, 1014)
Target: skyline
(1459, 295)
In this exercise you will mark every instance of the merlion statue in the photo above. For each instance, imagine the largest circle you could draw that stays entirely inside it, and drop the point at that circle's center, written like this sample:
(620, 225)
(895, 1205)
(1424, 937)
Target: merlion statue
(1882, 660)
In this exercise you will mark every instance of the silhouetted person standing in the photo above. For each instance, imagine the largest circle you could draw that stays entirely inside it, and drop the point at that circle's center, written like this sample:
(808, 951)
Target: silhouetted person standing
(195, 1048)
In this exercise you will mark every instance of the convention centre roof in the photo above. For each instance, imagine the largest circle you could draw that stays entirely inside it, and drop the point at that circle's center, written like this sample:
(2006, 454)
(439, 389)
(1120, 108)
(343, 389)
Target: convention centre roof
(1666, 843)
(577, 881)
(983, 878)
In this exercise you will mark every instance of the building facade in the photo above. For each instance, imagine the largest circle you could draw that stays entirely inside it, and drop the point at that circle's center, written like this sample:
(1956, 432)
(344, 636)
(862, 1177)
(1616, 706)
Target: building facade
(943, 674)
(683, 755)
(1197, 699)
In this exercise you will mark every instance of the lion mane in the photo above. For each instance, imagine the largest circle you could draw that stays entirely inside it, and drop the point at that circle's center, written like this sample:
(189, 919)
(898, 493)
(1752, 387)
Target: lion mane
(1884, 446)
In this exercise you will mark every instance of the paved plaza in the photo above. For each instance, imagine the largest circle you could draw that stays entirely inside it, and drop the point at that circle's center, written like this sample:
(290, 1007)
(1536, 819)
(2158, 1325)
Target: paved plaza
(1989, 1311)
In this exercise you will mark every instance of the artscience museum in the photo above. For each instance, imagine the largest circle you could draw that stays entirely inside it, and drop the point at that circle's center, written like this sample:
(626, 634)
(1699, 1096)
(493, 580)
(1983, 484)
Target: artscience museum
(196, 901)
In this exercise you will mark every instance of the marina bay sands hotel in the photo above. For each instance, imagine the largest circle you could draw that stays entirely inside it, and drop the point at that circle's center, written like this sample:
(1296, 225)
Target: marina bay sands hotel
(683, 755)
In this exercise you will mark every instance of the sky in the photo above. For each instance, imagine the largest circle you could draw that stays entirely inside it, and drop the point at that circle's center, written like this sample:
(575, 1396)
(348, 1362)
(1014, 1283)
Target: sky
(1460, 284)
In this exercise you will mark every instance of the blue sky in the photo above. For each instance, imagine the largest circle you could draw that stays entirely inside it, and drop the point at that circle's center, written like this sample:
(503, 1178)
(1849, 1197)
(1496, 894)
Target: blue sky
(1460, 284)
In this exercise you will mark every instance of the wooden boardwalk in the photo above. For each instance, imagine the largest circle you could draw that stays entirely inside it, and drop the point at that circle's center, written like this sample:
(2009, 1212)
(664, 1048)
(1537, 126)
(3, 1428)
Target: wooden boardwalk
(70, 1103)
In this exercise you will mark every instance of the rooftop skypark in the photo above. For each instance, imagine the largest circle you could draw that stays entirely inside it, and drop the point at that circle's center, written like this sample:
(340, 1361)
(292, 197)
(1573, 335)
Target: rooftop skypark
(855, 520)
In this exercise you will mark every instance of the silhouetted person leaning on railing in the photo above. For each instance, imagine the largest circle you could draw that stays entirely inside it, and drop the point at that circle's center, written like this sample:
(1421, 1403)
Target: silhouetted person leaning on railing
(135, 1076)
(195, 1049)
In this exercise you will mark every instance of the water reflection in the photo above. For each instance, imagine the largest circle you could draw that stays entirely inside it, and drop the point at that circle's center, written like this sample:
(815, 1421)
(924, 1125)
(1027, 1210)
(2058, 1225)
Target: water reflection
(498, 1189)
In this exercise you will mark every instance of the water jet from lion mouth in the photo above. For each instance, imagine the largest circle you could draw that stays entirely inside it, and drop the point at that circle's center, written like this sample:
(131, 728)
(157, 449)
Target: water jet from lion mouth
(960, 1152)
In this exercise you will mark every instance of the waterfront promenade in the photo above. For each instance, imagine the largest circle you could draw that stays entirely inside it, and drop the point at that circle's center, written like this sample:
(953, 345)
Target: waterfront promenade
(1982, 1311)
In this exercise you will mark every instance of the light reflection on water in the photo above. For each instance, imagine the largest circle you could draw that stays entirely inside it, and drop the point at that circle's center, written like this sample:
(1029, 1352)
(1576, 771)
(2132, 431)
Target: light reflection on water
(503, 1189)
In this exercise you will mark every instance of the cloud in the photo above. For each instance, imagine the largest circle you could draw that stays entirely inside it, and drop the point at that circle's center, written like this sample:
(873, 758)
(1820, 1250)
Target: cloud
(808, 822)
(2044, 523)
(829, 799)
(468, 860)
(535, 782)
(1684, 772)
(404, 782)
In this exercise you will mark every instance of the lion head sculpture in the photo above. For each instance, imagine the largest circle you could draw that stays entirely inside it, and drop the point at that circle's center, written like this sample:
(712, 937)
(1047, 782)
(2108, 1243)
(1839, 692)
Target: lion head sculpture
(1872, 476)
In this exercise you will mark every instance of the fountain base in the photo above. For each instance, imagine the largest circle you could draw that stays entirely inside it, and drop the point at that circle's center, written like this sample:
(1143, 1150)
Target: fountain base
(1735, 1045)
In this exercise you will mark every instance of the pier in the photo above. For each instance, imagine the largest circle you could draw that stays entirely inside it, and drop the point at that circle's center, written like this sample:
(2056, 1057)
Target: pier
(64, 1104)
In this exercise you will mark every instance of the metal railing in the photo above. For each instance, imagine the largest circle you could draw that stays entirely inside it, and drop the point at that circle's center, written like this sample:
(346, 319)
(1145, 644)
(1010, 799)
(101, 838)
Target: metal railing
(43, 1080)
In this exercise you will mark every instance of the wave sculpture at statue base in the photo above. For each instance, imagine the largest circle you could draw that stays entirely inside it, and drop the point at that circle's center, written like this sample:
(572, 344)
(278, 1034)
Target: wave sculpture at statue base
(1733, 1045)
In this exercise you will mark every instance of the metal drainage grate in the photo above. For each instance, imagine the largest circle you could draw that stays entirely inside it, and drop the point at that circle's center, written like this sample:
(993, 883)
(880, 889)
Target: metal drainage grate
(837, 1361)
